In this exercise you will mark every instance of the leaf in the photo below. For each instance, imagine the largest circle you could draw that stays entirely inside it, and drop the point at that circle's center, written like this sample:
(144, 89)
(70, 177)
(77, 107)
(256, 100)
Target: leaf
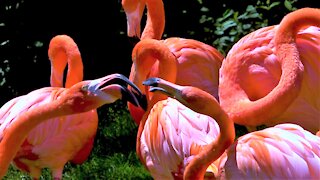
(225, 15)
(288, 5)
(204, 9)
(274, 4)
(228, 24)
(254, 15)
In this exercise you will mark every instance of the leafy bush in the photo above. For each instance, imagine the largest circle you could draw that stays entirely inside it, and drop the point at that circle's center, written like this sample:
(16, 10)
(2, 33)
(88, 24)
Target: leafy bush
(234, 24)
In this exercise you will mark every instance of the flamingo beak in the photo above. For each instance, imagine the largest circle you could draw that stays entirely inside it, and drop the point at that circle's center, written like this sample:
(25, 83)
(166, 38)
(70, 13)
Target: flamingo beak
(134, 95)
(165, 87)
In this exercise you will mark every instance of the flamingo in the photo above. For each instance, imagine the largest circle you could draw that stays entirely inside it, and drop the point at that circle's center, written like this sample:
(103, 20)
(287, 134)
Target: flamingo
(167, 137)
(70, 137)
(22, 114)
(198, 63)
(272, 75)
(285, 151)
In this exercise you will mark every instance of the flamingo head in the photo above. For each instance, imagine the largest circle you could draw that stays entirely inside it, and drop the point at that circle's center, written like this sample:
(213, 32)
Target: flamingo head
(192, 97)
(134, 11)
(91, 94)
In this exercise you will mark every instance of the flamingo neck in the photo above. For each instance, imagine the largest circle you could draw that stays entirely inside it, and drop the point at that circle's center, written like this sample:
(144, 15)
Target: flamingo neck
(197, 167)
(151, 55)
(63, 50)
(279, 99)
(15, 134)
(152, 58)
(75, 70)
(155, 20)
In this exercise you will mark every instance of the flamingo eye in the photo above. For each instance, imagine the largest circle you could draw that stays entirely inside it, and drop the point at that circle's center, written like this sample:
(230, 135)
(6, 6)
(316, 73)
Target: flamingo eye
(85, 88)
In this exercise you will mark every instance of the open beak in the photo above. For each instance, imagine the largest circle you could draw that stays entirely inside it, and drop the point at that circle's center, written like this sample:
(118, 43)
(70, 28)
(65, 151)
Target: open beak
(134, 95)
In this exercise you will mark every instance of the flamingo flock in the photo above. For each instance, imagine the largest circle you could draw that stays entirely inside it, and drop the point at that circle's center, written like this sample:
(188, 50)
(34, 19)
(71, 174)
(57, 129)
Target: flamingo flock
(185, 98)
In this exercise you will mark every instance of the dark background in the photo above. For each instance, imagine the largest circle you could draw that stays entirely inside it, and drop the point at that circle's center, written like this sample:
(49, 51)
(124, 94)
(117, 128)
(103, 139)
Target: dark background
(99, 29)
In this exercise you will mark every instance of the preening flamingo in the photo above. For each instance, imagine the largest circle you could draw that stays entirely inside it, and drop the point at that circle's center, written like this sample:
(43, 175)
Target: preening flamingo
(169, 134)
(285, 151)
(22, 114)
(70, 137)
(198, 63)
(272, 75)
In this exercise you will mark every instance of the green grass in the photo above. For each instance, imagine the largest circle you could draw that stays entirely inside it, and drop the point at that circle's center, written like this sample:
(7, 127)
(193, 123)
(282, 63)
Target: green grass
(117, 166)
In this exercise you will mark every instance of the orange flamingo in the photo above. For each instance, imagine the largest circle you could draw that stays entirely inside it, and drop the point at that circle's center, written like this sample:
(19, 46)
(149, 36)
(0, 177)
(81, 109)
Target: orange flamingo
(168, 136)
(22, 114)
(285, 151)
(198, 63)
(70, 137)
(272, 75)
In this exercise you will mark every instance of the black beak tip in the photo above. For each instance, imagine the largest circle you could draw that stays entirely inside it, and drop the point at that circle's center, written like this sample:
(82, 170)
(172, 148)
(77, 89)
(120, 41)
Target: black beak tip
(151, 82)
(133, 40)
(143, 102)
(134, 98)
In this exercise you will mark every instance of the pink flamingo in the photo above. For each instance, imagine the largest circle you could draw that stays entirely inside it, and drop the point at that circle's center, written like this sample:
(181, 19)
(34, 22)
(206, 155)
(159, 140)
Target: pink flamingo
(168, 137)
(70, 137)
(22, 114)
(272, 75)
(198, 63)
(285, 151)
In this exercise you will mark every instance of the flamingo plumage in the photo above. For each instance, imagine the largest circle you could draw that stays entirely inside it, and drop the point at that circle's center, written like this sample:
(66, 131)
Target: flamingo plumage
(22, 114)
(169, 134)
(57, 141)
(198, 63)
(285, 151)
(272, 75)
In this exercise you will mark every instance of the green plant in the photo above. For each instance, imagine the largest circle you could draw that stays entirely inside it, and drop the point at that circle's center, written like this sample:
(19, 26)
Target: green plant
(234, 24)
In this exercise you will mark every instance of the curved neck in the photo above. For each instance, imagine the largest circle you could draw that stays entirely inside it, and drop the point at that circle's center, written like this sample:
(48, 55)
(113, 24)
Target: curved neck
(288, 88)
(155, 20)
(15, 134)
(151, 58)
(63, 50)
(197, 167)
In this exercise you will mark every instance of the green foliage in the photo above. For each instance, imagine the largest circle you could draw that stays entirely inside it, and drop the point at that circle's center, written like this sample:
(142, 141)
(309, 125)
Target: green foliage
(233, 25)
(225, 29)
(116, 131)
(115, 166)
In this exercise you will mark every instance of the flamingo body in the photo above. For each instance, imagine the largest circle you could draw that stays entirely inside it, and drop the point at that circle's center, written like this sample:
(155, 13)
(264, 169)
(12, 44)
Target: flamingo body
(166, 139)
(53, 143)
(57, 141)
(285, 151)
(171, 136)
(198, 63)
(253, 77)
(256, 70)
